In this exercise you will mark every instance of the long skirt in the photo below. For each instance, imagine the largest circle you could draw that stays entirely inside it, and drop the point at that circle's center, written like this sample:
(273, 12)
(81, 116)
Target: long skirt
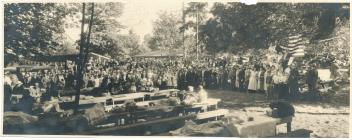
(252, 85)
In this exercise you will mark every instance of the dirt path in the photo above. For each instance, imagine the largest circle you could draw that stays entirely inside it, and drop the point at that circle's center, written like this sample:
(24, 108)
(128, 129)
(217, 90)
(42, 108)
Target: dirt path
(325, 118)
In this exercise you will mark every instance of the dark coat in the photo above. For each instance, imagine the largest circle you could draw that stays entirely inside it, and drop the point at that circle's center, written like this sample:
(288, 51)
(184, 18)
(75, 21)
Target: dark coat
(312, 77)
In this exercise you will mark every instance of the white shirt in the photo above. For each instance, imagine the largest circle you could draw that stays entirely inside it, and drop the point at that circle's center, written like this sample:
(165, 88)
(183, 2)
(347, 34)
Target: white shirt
(96, 82)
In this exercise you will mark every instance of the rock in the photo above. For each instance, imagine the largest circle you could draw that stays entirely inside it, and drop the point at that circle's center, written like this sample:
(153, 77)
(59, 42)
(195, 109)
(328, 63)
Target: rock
(17, 122)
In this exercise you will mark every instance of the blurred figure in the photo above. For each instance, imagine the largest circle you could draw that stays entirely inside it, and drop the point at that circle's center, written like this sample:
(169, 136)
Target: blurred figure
(312, 79)
(252, 85)
(293, 82)
(203, 95)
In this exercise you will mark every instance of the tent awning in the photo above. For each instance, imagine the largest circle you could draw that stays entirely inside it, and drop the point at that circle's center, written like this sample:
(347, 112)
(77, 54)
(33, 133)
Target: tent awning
(161, 53)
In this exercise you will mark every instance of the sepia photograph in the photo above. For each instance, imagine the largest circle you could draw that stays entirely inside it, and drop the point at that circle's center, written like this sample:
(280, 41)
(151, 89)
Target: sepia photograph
(176, 68)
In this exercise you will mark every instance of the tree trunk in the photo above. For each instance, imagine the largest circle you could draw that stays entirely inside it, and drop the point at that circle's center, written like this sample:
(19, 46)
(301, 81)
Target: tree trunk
(79, 63)
(88, 36)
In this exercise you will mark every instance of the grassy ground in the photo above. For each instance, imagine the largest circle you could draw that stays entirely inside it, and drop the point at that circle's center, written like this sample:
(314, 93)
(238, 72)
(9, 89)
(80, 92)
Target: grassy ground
(326, 118)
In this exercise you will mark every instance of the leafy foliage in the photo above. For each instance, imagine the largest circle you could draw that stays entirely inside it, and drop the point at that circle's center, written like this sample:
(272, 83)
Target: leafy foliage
(32, 28)
(236, 26)
(104, 27)
(166, 33)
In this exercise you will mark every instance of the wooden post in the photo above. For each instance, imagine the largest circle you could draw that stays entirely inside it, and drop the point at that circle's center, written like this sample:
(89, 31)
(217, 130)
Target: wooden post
(183, 32)
(197, 45)
(288, 127)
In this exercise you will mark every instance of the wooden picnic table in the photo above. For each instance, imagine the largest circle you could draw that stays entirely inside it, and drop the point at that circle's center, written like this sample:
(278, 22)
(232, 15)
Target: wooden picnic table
(125, 97)
(261, 126)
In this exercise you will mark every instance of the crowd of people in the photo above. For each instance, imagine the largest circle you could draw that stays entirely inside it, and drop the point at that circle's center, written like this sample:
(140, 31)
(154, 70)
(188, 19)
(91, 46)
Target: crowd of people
(276, 80)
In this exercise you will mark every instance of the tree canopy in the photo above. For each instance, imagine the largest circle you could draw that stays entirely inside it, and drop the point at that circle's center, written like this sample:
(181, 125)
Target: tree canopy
(32, 28)
(236, 26)
(166, 32)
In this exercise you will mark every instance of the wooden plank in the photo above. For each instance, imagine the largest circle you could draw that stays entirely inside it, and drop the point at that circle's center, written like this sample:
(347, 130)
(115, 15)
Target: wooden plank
(121, 97)
(129, 96)
(300, 133)
(209, 102)
(211, 114)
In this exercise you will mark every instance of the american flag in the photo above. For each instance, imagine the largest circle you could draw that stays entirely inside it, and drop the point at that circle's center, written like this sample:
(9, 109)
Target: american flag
(296, 45)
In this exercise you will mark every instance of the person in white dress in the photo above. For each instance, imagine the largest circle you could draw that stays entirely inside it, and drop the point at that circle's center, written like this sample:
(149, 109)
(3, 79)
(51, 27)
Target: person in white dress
(237, 83)
(252, 85)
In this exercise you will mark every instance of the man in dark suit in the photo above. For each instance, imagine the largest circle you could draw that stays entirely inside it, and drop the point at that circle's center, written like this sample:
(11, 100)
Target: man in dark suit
(293, 82)
(241, 77)
(312, 79)
(7, 93)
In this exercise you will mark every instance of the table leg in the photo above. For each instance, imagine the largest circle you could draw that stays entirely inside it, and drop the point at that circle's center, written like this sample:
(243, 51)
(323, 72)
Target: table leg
(289, 127)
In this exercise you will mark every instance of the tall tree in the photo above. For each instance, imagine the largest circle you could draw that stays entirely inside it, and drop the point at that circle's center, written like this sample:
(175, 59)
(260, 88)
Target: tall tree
(104, 27)
(196, 11)
(166, 33)
(79, 72)
(32, 28)
(236, 26)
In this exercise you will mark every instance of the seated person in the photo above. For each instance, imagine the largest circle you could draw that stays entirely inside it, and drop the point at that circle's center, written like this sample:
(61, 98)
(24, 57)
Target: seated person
(26, 103)
(35, 91)
(143, 84)
(149, 84)
(282, 109)
(133, 88)
(203, 95)
(190, 97)
(49, 102)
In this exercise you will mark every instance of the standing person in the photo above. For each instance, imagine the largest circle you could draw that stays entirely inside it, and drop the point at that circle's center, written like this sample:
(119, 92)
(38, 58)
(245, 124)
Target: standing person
(334, 70)
(96, 81)
(182, 79)
(17, 89)
(258, 71)
(266, 73)
(252, 86)
(312, 78)
(70, 78)
(35, 91)
(26, 103)
(225, 78)
(247, 73)
(214, 79)
(235, 78)
(169, 79)
(219, 78)
(293, 82)
(268, 82)
(280, 80)
(90, 82)
(174, 80)
(7, 93)
(261, 79)
(207, 78)
(241, 79)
